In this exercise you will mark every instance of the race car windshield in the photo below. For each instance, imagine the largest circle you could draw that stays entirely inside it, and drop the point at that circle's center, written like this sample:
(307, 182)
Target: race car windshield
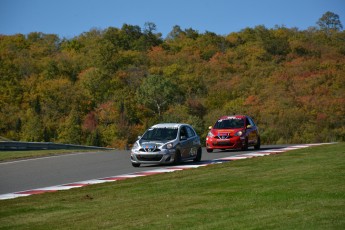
(160, 134)
(229, 124)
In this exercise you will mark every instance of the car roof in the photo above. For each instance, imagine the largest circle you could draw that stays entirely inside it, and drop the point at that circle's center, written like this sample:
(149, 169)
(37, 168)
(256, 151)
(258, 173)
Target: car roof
(232, 116)
(168, 125)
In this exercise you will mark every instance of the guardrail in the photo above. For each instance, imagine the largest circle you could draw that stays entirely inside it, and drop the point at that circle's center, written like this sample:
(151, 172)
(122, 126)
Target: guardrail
(18, 145)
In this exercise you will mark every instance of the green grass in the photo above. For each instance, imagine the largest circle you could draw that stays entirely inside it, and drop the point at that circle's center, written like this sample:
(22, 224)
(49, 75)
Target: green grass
(16, 155)
(302, 189)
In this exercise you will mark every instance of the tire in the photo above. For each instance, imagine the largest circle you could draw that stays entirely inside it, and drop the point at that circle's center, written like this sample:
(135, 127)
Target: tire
(136, 165)
(257, 146)
(198, 155)
(177, 158)
(209, 150)
(245, 146)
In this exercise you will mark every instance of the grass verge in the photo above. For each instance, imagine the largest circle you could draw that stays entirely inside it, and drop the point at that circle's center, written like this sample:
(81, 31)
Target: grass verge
(302, 189)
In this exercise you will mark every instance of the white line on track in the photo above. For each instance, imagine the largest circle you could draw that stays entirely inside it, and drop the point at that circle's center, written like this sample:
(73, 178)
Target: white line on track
(42, 158)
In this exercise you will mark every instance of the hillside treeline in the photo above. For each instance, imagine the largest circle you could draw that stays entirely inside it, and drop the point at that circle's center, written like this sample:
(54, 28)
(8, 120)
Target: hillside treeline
(105, 87)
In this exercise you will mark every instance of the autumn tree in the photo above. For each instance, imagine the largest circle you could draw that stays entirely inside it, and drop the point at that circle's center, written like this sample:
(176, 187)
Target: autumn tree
(104, 87)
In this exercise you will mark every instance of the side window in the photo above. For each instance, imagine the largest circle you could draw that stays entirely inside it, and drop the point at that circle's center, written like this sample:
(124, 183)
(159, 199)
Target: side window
(251, 122)
(183, 133)
(247, 122)
(191, 132)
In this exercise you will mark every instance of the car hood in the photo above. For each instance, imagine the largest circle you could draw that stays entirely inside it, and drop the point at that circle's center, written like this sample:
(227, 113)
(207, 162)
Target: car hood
(230, 132)
(158, 144)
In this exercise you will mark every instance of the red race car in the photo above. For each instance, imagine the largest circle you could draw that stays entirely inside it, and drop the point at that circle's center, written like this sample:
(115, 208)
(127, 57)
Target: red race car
(233, 132)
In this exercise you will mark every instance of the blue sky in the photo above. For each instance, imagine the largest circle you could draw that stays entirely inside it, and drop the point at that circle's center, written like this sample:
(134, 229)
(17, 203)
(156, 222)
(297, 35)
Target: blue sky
(69, 18)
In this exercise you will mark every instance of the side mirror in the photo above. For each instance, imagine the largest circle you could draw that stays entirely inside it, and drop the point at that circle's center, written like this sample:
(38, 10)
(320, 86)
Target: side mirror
(249, 126)
(210, 127)
(139, 137)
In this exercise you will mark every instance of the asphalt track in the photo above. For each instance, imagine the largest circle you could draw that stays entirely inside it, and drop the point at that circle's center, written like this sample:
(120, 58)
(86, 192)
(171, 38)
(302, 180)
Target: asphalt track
(36, 173)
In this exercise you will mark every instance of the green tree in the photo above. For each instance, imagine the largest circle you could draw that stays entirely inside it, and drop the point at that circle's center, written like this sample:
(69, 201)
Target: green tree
(150, 37)
(157, 92)
(94, 84)
(330, 22)
(32, 129)
(174, 33)
(70, 131)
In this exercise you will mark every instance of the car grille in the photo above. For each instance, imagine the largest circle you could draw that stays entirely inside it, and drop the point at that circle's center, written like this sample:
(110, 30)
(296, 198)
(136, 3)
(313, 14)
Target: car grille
(149, 150)
(223, 136)
(149, 157)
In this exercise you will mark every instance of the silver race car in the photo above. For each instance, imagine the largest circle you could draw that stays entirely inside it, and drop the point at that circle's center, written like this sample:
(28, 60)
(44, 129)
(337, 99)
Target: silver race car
(169, 143)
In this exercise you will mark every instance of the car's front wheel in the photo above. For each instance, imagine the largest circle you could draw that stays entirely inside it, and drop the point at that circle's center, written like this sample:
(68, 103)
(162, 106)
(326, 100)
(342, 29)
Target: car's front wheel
(209, 150)
(245, 145)
(135, 165)
(177, 159)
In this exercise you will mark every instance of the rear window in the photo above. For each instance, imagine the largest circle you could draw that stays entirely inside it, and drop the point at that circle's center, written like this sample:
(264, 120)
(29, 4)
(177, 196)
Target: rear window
(229, 123)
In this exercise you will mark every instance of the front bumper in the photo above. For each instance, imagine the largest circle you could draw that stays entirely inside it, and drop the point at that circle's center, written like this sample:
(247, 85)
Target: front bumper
(230, 143)
(164, 156)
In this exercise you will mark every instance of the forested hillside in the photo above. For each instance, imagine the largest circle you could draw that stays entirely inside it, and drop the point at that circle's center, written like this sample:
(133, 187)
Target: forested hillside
(105, 87)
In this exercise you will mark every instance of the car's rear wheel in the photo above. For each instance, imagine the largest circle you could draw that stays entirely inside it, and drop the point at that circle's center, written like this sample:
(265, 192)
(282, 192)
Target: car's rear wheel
(198, 155)
(135, 165)
(258, 143)
(177, 159)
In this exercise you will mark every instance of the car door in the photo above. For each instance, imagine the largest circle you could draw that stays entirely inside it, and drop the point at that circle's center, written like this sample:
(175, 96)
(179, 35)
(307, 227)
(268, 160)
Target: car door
(252, 131)
(194, 142)
(186, 142)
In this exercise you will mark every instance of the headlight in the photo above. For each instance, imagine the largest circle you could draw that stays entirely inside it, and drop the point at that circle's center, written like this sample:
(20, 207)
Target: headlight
(239, 133)
(210, 134)
(136, 145)
(169, 145)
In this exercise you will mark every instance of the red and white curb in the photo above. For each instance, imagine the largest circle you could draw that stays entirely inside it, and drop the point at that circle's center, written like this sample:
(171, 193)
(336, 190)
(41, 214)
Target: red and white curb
(152, 172)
